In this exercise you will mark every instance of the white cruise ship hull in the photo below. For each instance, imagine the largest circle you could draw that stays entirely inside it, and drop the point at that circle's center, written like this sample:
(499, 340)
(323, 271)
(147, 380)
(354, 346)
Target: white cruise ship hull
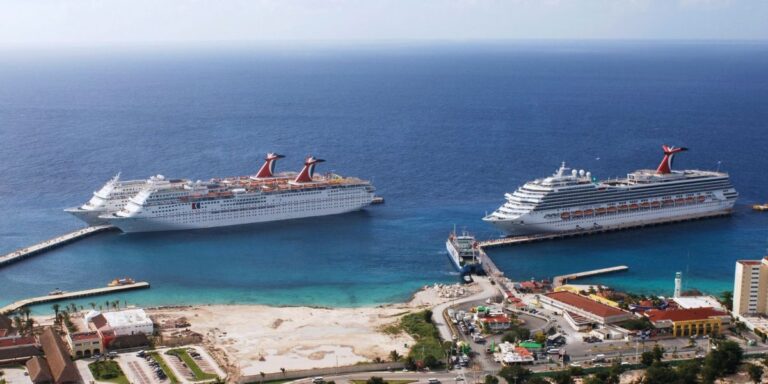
(534, 223)
(90, 217)
(221, 213)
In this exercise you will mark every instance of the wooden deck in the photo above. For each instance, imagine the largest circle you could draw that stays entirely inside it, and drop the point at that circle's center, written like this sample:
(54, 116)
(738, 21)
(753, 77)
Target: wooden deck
(560, 280)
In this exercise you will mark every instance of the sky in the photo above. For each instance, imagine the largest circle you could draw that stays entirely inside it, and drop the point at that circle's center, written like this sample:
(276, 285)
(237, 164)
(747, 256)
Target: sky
(87, 22)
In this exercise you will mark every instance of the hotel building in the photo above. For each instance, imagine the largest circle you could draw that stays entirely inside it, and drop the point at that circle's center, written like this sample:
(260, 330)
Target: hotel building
(750, 288)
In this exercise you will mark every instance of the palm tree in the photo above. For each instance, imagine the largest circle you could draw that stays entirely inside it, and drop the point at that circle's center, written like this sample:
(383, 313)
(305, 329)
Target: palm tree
(93, 305)
(17, 323)
(106, 304)
(55, 310)
(25, 311)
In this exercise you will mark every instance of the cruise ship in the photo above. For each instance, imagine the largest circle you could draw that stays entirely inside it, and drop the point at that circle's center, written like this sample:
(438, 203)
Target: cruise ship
(164, 205)
(572, 201)
(112, 197)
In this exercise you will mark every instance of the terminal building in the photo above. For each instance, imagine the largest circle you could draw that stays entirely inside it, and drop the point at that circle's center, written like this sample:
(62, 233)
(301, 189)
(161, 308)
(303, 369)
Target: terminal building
(689, 322)
(581, 312)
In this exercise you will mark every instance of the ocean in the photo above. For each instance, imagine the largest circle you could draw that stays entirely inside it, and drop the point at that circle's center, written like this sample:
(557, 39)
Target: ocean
(442, 129)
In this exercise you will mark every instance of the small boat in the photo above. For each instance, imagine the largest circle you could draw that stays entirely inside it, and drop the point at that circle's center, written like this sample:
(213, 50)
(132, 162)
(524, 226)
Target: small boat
(600, 211)
(655, 204)
(565, 215)
(123, 281)
(702, 199)
(679, 201)
(611, 209)
(623, 207)
(760, 207)
(645, 205)
(377, 200)
(634, 206)
(588, 212)
(667, 202)
(689, 200)
(56, 292)
(577, 213)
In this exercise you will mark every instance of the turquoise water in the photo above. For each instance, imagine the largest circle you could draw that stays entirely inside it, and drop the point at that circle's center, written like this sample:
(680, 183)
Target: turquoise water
(443, 131)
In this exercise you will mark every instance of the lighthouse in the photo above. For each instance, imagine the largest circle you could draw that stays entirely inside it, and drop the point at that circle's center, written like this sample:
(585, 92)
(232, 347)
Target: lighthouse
(678, 283)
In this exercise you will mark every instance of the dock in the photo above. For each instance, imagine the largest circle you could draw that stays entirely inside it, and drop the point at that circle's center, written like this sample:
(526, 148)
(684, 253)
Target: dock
(515, 240)
(560, 280)
(23, 253)
(72, 295)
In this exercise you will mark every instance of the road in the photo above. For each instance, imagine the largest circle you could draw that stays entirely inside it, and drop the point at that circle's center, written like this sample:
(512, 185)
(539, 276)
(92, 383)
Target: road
(487, 291)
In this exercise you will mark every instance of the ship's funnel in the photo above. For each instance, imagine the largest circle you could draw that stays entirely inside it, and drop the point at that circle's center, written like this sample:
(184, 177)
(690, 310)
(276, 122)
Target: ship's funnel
(305, 176)
(268, 169)
(669, 154)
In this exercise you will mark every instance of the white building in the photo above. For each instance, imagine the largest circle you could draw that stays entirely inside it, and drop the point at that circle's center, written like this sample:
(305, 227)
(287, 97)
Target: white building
(125, 322)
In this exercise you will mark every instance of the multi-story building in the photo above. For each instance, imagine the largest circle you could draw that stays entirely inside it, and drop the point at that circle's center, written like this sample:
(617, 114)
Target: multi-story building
(750, 288)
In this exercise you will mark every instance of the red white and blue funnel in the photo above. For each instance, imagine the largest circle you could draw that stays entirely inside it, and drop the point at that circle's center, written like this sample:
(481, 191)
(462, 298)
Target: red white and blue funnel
(669, 154)
(268, 169)
(305, 176)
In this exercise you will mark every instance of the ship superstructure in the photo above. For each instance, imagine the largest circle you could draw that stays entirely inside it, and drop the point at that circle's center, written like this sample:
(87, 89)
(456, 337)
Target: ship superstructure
(181, 204)
(572, 200)
(464, 252)
(112, 197)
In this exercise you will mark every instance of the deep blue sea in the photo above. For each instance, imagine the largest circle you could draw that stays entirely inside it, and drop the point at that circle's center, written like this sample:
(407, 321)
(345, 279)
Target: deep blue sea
(443, 130)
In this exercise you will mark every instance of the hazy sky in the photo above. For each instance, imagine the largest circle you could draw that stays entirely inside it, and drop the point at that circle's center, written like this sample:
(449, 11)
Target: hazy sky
(83, 22)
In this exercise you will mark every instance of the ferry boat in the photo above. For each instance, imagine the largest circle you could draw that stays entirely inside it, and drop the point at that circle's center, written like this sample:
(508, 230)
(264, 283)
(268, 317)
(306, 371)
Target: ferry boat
(760, 207)
(112, 197)
(464, 253)
(164, 205)
(572, 200)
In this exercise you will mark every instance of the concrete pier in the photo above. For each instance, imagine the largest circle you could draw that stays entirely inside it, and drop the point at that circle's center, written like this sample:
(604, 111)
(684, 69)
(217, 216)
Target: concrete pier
(72, 295)
(515, 240)
(560, 280)
(56, 242)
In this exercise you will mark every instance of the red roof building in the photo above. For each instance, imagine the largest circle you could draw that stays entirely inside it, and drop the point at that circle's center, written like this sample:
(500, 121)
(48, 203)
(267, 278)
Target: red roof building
(583, 306)
(688, 322)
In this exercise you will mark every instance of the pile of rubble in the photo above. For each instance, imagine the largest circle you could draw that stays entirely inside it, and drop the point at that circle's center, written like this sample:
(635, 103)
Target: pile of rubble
(450, 291)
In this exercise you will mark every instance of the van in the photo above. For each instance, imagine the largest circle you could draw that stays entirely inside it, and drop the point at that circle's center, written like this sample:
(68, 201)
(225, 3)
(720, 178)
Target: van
(318, 380)
(553, 351)
(433, 381)
(599, 357)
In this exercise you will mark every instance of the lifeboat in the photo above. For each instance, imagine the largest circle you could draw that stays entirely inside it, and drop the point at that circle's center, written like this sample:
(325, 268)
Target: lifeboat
(565, 215)
(612, 209)
(577, 213)
(645, 205)
(667, 202)
(689, 200)
(588, 212)
(600, 211)
(655, 204)
(634, 206)
(623, 207)
(702, 199)
(679, 201)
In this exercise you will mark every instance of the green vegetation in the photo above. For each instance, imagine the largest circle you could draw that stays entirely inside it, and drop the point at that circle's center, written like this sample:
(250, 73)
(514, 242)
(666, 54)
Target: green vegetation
(108, 371)
(515, 374)
(168, 372)
(489, 379)
(516, 333)
(755, 373)
(636, 324)
(725, 360)
(192, 364)
(428, 350)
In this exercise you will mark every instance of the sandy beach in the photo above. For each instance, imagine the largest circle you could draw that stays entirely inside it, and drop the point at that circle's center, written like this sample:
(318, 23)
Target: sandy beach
(257, 338)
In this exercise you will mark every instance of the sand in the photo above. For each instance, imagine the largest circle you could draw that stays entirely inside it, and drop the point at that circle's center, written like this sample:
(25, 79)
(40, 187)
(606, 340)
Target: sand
(257, 338)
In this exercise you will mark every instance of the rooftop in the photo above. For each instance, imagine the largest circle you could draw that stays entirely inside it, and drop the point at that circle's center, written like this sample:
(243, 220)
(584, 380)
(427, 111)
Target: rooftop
(495, 319)
(85, 335)
(748, 262)
(684, 314)
(6, 342)
(126, 317)
(687, 302)
(585, 304)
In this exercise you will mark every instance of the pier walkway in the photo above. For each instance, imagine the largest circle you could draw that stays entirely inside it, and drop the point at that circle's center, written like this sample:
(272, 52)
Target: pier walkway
(560, 280)
(58, 241)
(72, 295)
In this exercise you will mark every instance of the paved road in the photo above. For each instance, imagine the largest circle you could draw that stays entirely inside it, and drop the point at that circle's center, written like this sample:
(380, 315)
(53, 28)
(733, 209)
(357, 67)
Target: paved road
(487, 291)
